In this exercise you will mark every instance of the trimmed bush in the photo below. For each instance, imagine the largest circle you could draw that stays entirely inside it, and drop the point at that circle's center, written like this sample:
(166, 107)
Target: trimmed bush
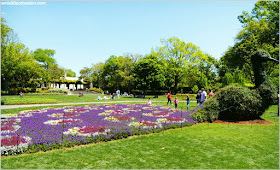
(209, 112)
(268, 95)
(98, 90)
(238, 103)
(58, 90)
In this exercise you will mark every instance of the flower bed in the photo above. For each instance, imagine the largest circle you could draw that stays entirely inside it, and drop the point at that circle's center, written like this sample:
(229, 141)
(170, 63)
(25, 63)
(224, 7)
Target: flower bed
(49, 128)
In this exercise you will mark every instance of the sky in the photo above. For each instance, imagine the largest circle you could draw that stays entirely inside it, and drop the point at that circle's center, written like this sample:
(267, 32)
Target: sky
(84, 33)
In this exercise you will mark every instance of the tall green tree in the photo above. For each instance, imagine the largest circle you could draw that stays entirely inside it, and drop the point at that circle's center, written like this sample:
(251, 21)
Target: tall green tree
(45, 57)
(260, 31)
(149, 74)
(70, 73)
(180, 59)
(18, 66)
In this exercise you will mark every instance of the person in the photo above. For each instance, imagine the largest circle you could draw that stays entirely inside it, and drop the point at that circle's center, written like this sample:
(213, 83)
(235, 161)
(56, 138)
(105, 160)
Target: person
(99, 98)
(211, 94)
(198, 95)
(188, 102)
(169, 99)
(149, 102)
(118, 94)
(176, 101)
(203, 96)
(21, 95)
(112, 95)
(81, 94)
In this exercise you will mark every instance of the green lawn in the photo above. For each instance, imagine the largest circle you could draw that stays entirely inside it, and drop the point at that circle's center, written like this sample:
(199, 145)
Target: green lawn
(202, 146)
(88, 98)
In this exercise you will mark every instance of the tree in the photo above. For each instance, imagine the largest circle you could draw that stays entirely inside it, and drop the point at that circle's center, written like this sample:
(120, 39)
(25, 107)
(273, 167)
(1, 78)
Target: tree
(87, 75)
(260, 31)
(18, 67)
(176, 54)
(149, 74)
(70, 73)
(45, 57)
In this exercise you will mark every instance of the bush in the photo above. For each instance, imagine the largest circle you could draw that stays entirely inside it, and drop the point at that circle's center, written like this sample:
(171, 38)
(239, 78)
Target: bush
(238, 103)
(209, 112)
(98, 90)
(57, 90)
(268, 94)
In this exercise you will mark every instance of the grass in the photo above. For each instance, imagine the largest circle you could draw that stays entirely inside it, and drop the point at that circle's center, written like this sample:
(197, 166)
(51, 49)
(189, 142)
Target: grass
(89, 98)
(202, 146)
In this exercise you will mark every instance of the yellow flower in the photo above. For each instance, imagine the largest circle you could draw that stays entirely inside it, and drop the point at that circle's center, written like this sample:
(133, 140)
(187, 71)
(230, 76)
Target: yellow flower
(162, 120)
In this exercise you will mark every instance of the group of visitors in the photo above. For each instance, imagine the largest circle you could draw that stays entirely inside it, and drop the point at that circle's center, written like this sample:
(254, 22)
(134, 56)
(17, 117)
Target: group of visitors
(200, 97)
(176, 101)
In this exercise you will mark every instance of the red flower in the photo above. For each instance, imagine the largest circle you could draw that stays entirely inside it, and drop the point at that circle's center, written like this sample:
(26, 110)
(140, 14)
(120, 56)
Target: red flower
(13, 141)
(173, 119)
(92, 129)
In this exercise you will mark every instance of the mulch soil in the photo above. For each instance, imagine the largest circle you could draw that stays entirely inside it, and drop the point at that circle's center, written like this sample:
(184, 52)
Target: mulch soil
(255, 122)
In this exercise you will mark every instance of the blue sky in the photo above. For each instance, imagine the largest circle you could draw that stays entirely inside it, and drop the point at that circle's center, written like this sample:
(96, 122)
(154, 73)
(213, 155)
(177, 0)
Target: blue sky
(87, 32)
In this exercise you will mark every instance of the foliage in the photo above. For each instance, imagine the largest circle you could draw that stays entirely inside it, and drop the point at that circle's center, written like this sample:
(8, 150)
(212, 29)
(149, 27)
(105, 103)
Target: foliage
(238, 103)
(260, 31)
(195, 89)
(149, 74)
(268, 95)
(96, 90)
(209, 112)
(227, 79)
(70, 73)
(238, 77)
(274, 78)
(45, 57)
(185, 63)
(58, 90)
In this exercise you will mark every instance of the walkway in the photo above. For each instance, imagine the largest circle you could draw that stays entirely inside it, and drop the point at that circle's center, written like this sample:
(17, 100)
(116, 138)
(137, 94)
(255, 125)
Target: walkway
(57, 104)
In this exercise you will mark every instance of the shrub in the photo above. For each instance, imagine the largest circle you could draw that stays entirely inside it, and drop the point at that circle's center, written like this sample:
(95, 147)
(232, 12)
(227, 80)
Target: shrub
(268, 95)
(98, 90)
(209, 112)
(238, 103)
(58, 90)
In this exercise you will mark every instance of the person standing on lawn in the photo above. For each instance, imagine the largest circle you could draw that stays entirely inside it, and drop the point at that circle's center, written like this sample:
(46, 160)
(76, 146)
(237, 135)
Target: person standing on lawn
(176, 101)
(203, 96)
(21, 95)
(169, 99)
(198, 97)
(188, 102)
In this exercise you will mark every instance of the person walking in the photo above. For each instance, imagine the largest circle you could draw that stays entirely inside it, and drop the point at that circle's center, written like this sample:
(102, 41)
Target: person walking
(169, 99)
(21, 95)
(198, 97)
(188, 102)
(176, 101)
(211, 94)
(203, 96)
